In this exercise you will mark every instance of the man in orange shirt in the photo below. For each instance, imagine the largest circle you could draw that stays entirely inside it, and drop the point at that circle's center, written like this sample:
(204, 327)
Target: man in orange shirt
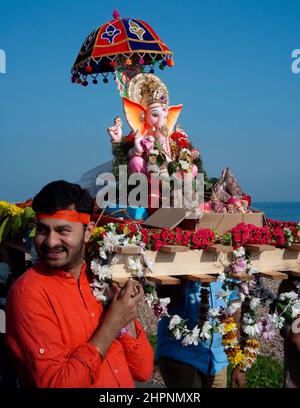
(58, 332)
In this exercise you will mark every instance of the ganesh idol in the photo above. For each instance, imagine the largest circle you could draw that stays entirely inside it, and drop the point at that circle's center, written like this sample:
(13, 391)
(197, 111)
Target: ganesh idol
(152, 120)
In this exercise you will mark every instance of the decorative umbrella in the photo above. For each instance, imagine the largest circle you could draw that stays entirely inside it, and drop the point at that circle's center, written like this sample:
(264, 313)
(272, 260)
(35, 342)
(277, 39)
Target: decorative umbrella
(123, 46)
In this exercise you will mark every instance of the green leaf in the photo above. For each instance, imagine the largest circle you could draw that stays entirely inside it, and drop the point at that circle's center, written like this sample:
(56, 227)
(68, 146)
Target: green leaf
(29, 212)
(172, 167)
(15, 225)
(32, 233)
(159, 160)
(2, 228)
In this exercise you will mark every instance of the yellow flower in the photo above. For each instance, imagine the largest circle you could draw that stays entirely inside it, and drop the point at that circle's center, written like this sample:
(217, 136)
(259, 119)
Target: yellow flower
(252, 343)
(126, 230)
(14, 210)
(230, 326)
(97, 231)
(229, 338)
(237, 358)
(10, 209)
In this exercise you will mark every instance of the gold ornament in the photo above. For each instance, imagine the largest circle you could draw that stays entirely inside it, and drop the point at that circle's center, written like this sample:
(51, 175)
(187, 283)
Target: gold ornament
(147, 89)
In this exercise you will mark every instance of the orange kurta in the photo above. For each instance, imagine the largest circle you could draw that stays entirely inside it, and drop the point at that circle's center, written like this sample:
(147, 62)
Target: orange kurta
(49, 322)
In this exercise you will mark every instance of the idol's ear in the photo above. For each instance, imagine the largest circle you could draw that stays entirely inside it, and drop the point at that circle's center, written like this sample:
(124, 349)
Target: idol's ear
(135, 115)
(174, 112)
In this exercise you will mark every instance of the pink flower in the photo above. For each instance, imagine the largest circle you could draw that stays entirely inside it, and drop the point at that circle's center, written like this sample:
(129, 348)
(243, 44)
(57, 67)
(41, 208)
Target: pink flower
(239, 266)
(232, 200)
(267, 328)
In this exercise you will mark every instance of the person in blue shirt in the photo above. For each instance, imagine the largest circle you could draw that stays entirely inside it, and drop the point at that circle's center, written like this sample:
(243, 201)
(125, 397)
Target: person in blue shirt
(202, 366)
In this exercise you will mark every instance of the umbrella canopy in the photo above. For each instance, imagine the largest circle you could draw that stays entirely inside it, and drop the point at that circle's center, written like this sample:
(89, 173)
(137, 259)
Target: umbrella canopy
(119, 42)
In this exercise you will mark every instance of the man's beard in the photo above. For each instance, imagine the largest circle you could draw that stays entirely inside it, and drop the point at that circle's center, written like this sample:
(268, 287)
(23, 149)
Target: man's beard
(75, 257)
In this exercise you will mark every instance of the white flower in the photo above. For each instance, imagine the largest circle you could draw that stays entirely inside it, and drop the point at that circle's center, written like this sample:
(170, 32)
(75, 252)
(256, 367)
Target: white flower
(278, 321)
(247, 319)
(205, 332)
(221, 329)
(154, 152)
(149, 298)
(177, 333)
(239, 253)
(184, 164)
(233, 307)
(99, 295)
(164, 302)
(102, 253)
(222, 276)
(192, 338)
(102, 271)
(134, 265)
(224, 294)
(110, 240)
(149, 263)
(251, 330)
(174, 321)
(296, 309)
(288, 296)
(112, 226)
(214, 312)
(254, 303)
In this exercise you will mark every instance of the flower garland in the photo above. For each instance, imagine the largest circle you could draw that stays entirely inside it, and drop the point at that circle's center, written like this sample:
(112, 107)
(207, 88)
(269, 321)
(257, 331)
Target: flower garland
(241, 346)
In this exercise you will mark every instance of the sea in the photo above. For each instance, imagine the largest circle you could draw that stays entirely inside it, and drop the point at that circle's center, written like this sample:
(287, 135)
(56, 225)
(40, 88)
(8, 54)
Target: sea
(283, 211)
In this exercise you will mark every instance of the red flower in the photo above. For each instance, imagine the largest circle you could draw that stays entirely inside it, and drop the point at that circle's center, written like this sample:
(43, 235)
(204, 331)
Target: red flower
(203, 238)
(166, 235)
(247, 198)
(183, 143)
(186, 238)
(130, 139)
(178, 135)
(178, 235)
(157, 244)
(156, 235)
(278, 236)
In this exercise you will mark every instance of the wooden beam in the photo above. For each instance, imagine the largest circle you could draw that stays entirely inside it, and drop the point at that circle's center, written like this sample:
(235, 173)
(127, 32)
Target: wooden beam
(219, 248)
(260, 248)
(164, 280)
(294, 273)
(128, 250)
(294, 247)
(274, 275)
(244, 277)
(174, 248)
(200, 278)
(120, 281)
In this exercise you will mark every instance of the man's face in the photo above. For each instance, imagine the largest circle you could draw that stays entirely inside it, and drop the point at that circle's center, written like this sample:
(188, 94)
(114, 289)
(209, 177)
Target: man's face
(60, 243)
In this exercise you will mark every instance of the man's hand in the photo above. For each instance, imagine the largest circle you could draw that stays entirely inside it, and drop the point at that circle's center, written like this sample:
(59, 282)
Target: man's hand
(122, 311)
(238, 379)
(123, 308)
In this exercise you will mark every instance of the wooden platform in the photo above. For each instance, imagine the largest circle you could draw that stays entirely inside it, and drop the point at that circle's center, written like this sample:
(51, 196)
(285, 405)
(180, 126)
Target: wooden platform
(169, 262)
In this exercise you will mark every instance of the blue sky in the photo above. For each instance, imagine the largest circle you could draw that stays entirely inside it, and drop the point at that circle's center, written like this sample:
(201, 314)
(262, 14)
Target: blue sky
(232, 73)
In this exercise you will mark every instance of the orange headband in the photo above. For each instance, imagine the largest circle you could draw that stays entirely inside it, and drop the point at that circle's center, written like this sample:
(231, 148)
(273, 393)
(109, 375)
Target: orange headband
(68, 215)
